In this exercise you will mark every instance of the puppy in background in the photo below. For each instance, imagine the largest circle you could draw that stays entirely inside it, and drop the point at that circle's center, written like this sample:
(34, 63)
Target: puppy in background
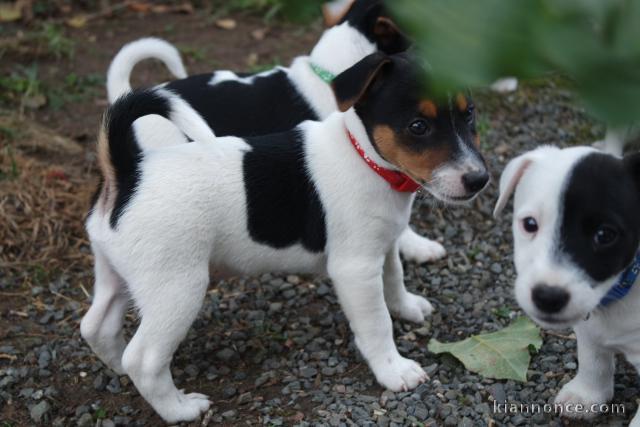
(576, 228)
(238, 104)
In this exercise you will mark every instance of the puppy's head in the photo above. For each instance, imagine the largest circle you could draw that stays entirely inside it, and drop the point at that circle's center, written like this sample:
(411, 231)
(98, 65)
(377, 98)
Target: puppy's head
(435, 143)
(369, 17)
(575, 227)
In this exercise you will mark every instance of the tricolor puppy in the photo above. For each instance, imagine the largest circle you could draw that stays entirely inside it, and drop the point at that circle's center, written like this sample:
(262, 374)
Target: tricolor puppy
(322, 198)
(235, 104)
(576, 227)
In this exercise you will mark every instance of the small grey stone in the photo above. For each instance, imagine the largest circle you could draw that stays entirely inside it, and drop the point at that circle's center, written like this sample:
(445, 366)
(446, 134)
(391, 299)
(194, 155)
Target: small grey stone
(229, 415)
(323, 290)
(86, 420)
(99, 383)
(114, 386)
(451, 421)
(308, 372)
(81, 410)
(245, 398)
(38, 411)
(226, 354)
(108, 423)
(572, 366)
(228, 392)
(275, 307)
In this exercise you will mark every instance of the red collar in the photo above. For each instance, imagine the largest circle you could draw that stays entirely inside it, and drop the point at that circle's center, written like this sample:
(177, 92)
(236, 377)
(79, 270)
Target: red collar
(397, 180)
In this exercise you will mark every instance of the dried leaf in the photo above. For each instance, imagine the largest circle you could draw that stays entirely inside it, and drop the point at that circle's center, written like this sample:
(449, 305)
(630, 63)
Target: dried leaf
(226, 24)
(78, 21)
(10, 12)
(499, 355)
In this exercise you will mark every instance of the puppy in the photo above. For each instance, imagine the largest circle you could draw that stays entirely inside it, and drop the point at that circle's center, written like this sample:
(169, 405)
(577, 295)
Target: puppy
(277, 100)
(576, 234)
(328, 197)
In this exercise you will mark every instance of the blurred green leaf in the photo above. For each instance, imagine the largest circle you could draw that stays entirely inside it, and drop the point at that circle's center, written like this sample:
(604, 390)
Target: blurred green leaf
(595, 43)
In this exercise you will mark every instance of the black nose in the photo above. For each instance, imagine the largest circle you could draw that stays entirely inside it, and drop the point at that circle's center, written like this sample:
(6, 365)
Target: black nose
(475, 181)
(549, 299)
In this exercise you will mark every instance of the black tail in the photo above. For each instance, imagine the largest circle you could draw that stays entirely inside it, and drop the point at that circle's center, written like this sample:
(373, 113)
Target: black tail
(119, 154)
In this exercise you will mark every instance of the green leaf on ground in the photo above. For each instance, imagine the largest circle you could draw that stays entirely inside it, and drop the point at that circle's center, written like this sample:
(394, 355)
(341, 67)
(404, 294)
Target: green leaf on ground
(499, 355)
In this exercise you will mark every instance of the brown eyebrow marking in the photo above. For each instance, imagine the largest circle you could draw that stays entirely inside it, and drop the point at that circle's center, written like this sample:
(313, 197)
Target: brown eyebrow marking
(429, 109)
(462, 103)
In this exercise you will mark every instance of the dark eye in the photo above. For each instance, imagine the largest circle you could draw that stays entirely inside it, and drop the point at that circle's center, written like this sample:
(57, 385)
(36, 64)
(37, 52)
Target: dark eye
(469, 115)
(419, 127)
(530, 225)
(605, 236)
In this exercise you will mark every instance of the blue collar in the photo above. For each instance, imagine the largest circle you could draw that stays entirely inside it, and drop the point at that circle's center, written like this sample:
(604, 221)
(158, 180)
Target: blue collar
(624, 283)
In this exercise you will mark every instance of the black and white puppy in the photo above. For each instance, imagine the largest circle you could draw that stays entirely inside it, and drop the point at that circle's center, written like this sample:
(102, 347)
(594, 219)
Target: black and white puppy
(235, 104)
(576, 227)
(315, 199)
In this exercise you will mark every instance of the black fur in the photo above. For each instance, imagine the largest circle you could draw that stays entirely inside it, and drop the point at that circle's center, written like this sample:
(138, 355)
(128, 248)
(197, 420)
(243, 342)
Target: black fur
(600, 191)
(124, 150)
(283, 207)
(364, 15)
(270, 105)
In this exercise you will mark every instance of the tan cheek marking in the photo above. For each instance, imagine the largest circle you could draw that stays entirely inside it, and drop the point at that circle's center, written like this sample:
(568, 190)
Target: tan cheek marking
(477, 141)
(422, 165)
(429, 109)
(461, 102)
(418, 165)
(385, 139)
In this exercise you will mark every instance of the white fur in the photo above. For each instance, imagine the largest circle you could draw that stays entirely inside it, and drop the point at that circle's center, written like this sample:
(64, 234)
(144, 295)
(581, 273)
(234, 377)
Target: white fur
(122, 65)
(189, 213)
(338, 49)
(538, 179)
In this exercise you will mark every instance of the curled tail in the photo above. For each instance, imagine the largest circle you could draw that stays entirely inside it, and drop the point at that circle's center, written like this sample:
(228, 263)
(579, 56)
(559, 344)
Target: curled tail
(120, 154)
(119, 74)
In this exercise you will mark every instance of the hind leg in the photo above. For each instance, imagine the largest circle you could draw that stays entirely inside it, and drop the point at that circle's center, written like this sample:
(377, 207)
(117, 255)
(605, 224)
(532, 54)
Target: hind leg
(101, 327)
(168, 304)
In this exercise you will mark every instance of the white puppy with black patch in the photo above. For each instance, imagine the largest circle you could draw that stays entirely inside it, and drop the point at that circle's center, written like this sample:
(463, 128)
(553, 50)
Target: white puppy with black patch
(576, 227)
(330, 197)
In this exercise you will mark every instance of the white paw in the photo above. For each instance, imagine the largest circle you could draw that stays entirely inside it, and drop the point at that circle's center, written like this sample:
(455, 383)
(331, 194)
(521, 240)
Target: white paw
(399, 374)
(635, 422)
(182, 407)
(576, 392)
(414, 247)
(413, 308)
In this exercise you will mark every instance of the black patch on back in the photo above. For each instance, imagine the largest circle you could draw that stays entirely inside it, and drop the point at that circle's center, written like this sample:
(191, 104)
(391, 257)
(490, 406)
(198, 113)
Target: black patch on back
(283, 206)
(600, 191)
(271, 104)
(124, 150)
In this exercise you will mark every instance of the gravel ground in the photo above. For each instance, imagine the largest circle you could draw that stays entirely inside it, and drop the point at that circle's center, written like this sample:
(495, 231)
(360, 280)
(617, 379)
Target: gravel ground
(277, 350)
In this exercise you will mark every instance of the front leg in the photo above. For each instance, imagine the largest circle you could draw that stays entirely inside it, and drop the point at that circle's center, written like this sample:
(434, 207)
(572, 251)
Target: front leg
(402, 303)
(594, 382)
(358, 284)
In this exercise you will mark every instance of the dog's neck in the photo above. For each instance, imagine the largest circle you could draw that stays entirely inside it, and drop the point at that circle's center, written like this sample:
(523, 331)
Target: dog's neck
(340, 48)
(355, 127)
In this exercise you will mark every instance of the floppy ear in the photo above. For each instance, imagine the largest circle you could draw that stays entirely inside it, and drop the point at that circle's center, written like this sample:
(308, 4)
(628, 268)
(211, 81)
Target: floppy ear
(510, 179)
(388, 36)
(632, 164)
(351, 86)
(335, 11)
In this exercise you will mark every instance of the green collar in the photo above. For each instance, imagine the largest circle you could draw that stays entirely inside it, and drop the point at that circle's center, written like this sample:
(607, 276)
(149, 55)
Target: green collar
(325, 75)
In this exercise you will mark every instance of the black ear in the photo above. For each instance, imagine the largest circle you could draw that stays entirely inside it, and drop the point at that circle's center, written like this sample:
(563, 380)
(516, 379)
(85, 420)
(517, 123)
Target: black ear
(351, 86)
(632, 164)
(388, 36)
